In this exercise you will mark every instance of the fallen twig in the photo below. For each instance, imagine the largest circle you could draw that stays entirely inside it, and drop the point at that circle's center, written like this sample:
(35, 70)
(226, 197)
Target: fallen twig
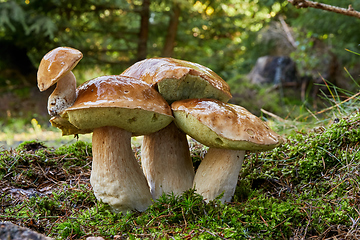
(338, 104)
(305, 4)
(280, 119)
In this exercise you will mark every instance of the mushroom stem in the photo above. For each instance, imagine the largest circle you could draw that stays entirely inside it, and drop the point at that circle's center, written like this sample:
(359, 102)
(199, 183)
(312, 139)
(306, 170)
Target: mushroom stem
(166, 161)
(218, 173)
(116, 176)
(63, 96)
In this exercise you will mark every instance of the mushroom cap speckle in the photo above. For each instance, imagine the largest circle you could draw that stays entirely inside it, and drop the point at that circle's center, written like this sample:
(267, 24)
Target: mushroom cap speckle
(178, 79)
(222, 125)
(119, 101)
(56, 64)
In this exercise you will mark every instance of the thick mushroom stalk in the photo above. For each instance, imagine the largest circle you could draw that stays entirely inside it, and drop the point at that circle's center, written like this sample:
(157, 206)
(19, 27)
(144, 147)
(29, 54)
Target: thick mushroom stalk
(116, 176)
(218, 173)
(63, 96)
(166, 161)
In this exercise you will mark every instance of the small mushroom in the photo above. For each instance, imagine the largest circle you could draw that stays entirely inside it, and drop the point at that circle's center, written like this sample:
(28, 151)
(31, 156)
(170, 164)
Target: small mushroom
(114, 108)
(228, 130)
(165, 155)
(55, 67)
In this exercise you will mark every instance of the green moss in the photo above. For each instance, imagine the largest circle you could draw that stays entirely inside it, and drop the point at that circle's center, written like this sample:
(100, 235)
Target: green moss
(306, 188)
(30, 145)
(79, 149)
(305, 157)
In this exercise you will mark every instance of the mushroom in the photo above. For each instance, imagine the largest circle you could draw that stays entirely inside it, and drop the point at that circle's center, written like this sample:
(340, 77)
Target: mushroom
(166, 161)
(114, 108)
(178, 79)
(165, 155)
(66, 127)
(228, 130)
(55, 67)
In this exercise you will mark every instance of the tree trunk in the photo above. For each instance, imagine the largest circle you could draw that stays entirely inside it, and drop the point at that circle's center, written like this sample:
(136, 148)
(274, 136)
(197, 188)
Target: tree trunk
(144, 30)
(171, 32)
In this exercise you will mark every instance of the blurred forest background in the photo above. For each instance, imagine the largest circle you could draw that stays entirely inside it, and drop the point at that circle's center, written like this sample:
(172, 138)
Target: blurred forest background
(227, 36)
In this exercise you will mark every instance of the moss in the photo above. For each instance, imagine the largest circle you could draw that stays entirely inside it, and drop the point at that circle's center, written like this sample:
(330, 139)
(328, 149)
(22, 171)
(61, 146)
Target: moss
(307, 188)
(79, 149)
(305, 157)
(30, 145)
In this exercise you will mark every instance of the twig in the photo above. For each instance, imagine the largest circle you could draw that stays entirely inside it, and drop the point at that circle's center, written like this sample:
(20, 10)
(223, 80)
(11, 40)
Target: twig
(264, 221)
(48, 178)
(212, 234)
(309, 219)
(280, 223)
(305, 4)
(182, 211)
(312, 114)
(287, 32)
(338, 104)
(273, 115)
(335, 187)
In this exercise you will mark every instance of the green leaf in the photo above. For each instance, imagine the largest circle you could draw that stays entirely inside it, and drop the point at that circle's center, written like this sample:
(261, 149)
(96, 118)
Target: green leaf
(12, 14)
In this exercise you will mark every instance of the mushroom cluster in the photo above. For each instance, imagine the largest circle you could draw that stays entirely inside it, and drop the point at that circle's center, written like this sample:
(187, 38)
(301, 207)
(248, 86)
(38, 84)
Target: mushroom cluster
(137, 102)
(165, 155)
(196, 92)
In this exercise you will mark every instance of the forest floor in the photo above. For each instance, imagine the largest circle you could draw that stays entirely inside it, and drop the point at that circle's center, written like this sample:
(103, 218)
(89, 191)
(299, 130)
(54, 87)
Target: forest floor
(308, 188)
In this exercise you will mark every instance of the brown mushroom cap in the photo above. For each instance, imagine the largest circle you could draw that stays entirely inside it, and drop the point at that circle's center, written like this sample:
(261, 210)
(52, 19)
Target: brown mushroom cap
(222, 125)
(178, 79)
(119, 101)
(56, 64)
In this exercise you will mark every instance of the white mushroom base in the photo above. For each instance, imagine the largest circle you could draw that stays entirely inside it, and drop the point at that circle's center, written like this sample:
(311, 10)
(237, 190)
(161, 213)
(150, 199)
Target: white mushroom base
(218, 173)
(116, 176)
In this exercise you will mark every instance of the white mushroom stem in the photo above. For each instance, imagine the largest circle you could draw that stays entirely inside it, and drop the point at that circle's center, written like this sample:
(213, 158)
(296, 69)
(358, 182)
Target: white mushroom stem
(63, 96)
(166, 162)
(218, 173)
(116, 176)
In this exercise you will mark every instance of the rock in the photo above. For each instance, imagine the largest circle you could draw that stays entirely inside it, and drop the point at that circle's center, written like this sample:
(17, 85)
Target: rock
(274, 70)
(14, 232)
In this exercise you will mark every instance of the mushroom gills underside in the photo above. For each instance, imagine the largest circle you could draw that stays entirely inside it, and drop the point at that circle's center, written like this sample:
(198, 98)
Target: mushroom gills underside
(134, 120)
(193, 127)
(188, 87)
(66, 127)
